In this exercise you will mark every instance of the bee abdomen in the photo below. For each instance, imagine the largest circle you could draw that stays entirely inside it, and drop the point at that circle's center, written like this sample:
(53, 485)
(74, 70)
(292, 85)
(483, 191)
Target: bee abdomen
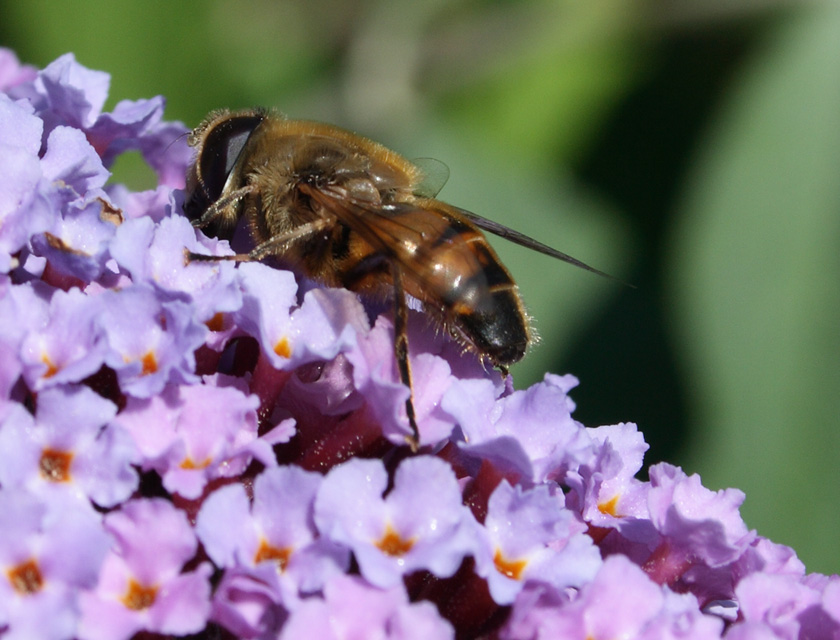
(481, 298)
(496, 324)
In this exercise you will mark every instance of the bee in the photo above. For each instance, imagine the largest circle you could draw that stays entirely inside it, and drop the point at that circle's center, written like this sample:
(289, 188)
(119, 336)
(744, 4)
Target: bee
(348, 212)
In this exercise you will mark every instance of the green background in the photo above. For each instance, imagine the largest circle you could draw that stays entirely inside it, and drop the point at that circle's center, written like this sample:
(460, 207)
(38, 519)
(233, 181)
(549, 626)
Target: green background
(691, 148)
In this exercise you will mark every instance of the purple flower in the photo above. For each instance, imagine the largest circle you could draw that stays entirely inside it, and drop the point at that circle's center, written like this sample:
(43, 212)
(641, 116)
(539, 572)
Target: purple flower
(788, 606)
(605, 490)
(698, 527)
(193, 434)
(76, 246)
(155, 204)
(376, 377)
(831, 598)
(271, 547)
(65, 92)
(76, 242)
(531, 432)
(12, 72)
(281, 529)
(24, 209)
(141, 586)
(420, 524)
(68, 444)
(619, 602)
(73, 162)
(66, 346)
(675, 499)
(22, 307)
(531, 536)
(247, 602)
(50, 550)
(137, 126)
(325, 324)
(353, 609)
(155, 253)
(765, 555)
(149, 342)
(680, 618)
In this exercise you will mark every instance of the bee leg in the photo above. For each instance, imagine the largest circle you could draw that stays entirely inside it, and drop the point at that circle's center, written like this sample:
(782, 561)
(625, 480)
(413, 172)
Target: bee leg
(401, 353)
(272, 246)
(219, 209)
(189, 256)
(279, 243)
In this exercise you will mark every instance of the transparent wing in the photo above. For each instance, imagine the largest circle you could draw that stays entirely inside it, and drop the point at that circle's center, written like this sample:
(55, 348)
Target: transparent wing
(435, 176)
(529, 243)
(409, 234)
(402, 231)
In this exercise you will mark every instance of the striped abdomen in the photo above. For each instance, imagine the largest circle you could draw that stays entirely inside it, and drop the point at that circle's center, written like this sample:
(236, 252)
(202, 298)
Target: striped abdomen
(446, 263)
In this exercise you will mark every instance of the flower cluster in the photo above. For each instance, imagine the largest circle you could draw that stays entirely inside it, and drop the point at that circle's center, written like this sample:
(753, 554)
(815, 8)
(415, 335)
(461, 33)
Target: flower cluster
(220, 450)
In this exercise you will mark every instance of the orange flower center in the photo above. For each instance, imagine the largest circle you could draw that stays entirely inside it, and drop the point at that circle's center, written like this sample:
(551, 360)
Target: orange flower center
(216, 323)
(608, 507)
(275, 554)
(139, 597)
(283, 348)
(150, 364)
(52, 369)
(26, 577)
(55, 465)
(511, 568)
(393, 544)
(189, 463)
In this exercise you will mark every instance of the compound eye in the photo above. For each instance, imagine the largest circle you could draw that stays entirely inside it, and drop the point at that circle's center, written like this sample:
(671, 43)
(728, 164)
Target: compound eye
(222, 147)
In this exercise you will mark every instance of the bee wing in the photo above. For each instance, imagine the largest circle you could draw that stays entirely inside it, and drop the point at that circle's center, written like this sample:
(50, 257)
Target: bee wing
(528, 242)
(448, 265)
(399, 230)
(434, 175)
(411, 235)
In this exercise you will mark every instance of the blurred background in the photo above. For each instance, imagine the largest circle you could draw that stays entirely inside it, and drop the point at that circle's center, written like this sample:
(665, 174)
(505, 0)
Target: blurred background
(691, 148)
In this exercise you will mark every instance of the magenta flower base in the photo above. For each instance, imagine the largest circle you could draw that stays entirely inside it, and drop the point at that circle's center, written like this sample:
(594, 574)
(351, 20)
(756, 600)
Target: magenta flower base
(218, 450)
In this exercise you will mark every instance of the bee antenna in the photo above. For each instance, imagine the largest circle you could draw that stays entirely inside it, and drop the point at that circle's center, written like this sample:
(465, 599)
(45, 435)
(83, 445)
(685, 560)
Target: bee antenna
(174, 140)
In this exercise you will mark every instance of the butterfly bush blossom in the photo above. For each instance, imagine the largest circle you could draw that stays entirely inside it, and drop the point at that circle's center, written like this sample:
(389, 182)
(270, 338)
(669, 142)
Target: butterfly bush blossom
(220, 450)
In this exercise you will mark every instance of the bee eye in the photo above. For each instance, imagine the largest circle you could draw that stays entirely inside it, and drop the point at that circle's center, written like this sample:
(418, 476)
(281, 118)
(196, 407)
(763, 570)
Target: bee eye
(222, 147)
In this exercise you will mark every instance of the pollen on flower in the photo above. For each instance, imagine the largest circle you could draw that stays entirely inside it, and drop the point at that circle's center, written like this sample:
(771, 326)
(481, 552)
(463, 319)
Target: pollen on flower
(150, 364)
(393, 544)
(138, 597)
(26, 577)
(608, 507)
(511, 568)
(271, 553)
(55, 465)
(283, 348)
(52, 369)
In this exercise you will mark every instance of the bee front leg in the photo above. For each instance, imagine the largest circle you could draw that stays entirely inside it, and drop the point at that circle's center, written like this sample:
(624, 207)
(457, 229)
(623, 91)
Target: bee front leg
(401, 353)
(276, 245)
(221, 209)
(271, 247)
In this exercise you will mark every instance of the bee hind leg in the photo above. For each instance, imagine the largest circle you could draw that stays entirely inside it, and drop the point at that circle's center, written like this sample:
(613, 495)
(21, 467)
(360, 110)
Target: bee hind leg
(401, 354)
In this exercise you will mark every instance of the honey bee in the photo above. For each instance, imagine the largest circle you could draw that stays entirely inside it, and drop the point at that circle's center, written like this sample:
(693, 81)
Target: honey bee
(348, 212)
